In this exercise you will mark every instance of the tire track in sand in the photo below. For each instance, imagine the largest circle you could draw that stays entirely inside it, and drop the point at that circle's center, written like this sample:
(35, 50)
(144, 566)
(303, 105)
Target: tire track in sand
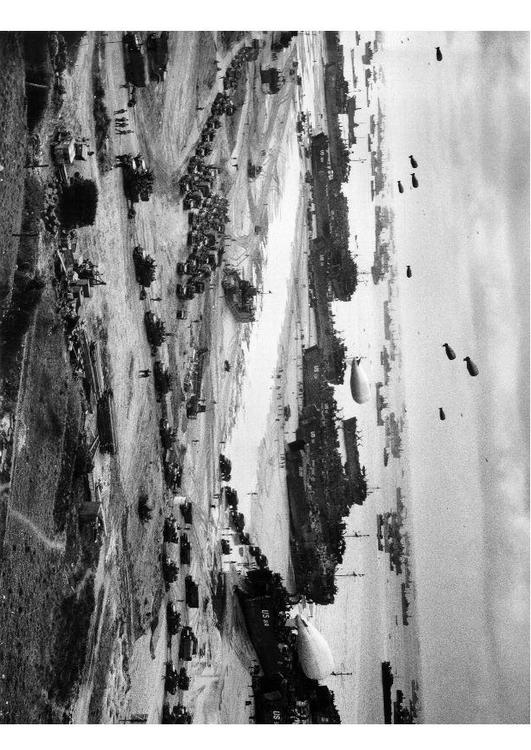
(51, 544)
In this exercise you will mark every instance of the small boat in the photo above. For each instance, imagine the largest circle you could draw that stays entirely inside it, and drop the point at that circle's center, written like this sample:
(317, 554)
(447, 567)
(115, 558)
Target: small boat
(414, 180)
(438, 54)
(400, 187)
(413, 161)
(442, 415)
(408, 272)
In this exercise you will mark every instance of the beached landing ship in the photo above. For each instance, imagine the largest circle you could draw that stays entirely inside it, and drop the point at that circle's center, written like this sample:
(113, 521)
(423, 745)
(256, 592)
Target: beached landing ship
(240, 296)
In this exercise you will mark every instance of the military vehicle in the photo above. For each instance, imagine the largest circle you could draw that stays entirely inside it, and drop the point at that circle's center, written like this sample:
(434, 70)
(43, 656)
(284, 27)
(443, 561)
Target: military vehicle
(177, 715)
(170, 531)
(194, 406)
(155, 329)
(237, 520)
(135, 72)
(167, 435)
(173, 473)
(226, 549)
(185, 550)
(231, 497)
(144, 266)
(162, 379)
(225, 468)
(186, 643)
(170, 570)
(183, 681)
(157, 52)
(191, 592)
(171, 679)
(186, 512)
(173, 619)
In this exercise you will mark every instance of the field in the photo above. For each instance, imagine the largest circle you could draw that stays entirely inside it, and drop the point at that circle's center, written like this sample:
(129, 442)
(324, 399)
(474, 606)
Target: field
(79, 610)
(12, 152)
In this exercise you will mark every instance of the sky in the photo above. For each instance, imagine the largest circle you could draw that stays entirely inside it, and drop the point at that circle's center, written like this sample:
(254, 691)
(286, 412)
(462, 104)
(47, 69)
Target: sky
(465, 233)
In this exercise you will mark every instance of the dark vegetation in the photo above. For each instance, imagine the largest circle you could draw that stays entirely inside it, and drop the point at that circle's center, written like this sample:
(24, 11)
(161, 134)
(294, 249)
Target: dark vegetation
(26, 291)
(71, 640)
(228, 38)
(72, 40)
(38, 69)
(102, 121)
(78, 203)
(145, 510)
(13, 139)
(48, 594)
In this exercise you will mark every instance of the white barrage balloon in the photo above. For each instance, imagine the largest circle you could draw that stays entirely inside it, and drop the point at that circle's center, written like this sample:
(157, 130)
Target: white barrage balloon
(315, 657)
(359, 383)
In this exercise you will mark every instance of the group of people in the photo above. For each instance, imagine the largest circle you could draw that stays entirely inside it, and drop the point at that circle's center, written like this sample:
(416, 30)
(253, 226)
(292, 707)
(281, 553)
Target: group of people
(121, 123)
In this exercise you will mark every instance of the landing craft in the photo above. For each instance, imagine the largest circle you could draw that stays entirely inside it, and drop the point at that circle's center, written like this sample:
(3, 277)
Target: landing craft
(408, 272)
(449, 351)
(413, 161)
(442, 415)
(359, 382)
(414, 180)
(471, 367)
(314, 652)
(438, 54)
(400, 187)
